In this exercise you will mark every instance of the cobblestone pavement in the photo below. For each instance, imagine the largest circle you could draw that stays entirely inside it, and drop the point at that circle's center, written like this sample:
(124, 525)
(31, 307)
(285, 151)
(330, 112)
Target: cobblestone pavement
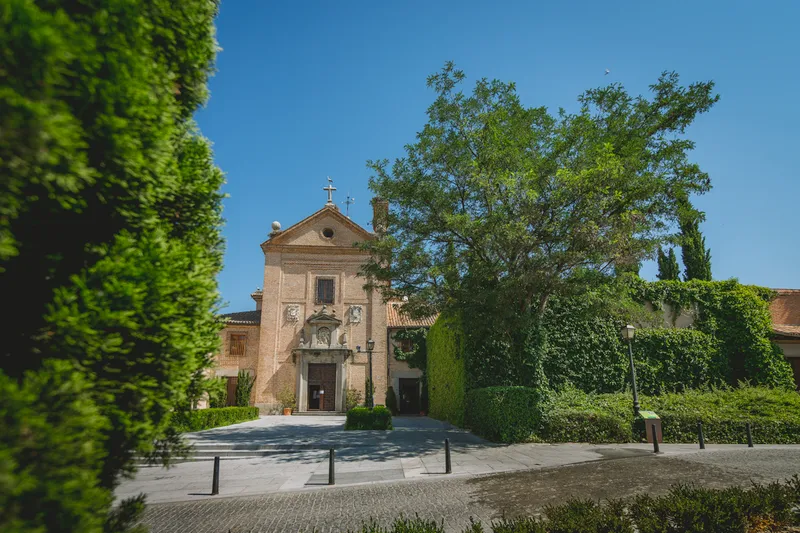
(455, 500)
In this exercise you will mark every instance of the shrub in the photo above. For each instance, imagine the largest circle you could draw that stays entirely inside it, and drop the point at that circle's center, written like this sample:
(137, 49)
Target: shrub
(287, 398)
(211, 418)
(446, 370)
(353, 399)
(244, 386)
(774, 414)
(568, 425)
(378, 417)
(506, 414)
(391, 400)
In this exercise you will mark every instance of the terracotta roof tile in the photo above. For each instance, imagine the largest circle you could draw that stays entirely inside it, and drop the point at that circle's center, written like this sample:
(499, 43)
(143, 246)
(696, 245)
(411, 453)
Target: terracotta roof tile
(785, 311)
(242, 317)
(395, 318)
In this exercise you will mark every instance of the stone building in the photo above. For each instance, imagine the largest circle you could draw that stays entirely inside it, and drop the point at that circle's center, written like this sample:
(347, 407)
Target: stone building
(785, 310)
(313, 321)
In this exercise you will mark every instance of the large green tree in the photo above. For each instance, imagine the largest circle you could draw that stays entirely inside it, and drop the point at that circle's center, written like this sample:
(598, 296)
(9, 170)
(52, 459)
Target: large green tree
(496, 206)
(110, 213)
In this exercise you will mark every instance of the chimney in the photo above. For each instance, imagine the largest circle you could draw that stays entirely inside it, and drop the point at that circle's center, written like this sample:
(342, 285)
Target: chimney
(380, 214)
(257, 295)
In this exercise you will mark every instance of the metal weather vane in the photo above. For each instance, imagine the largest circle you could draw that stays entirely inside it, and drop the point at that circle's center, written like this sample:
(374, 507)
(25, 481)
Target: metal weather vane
(350, 200)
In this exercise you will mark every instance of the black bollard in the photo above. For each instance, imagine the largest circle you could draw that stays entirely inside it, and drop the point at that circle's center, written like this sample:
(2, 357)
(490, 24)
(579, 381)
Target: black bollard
(655, 439)
(749, 436)
(700, 435)
(447, 468)
(215, 480)
(331, 472)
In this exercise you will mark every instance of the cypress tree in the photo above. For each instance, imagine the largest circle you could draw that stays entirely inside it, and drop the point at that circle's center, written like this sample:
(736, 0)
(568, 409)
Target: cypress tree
(696, 257)
(110, 216)
(668, 268)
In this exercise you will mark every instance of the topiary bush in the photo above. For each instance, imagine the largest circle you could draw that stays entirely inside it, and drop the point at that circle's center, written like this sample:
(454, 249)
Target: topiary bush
(378, 417)
(201, 419)
(572, 425)
(506, 414)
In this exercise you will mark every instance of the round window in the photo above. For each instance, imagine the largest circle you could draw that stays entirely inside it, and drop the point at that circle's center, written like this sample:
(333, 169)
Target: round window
(327, 233)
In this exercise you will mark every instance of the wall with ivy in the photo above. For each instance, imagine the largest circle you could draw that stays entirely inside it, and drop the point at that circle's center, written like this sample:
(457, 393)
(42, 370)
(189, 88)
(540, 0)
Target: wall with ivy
(578, 344)
(446, 370)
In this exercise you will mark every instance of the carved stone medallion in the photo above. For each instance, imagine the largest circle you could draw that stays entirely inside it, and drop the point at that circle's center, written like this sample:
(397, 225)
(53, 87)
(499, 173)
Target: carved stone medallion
(292, 313)
(355, 314)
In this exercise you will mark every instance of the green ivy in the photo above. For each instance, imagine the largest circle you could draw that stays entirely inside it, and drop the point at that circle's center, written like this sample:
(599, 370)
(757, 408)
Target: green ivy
(506, 414)
(446, 370)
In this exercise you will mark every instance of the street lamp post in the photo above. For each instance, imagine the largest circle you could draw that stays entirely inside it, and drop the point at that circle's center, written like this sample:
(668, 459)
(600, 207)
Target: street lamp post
(370, 347)
(627, 334)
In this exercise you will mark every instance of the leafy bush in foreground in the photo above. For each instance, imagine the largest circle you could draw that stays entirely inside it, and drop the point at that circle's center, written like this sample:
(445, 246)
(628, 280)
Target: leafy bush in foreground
(211, 418)
(684, 509)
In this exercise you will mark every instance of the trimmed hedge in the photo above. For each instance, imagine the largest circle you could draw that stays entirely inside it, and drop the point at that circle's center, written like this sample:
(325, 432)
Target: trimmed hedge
(774, 415)
(505, 414)
(447, 375)
(378, 417)
(201, 419)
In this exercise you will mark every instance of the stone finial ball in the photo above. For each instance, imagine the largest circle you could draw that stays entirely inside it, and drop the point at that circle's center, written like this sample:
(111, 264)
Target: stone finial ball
(276, 226)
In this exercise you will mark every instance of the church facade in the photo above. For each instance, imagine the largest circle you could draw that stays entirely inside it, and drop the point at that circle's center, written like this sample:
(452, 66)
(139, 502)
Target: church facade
(313, 322)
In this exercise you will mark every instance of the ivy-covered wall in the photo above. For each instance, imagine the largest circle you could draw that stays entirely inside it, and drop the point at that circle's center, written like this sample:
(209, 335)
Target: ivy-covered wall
(446, 370)
(579, 344)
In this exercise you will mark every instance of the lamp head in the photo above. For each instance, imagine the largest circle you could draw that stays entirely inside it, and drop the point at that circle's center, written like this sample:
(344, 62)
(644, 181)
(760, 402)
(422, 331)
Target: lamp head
(370, 345)
(627, 332)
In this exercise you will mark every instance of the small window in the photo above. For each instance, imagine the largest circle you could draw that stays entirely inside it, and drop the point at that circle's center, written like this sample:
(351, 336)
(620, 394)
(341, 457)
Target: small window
(325, 290)
(406, 345)
(327, 233)
(238, 342)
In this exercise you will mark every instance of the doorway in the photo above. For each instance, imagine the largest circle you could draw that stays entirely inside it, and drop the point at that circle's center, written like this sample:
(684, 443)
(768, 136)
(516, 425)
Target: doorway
(230, 400)
(409, 396)
(321, 387)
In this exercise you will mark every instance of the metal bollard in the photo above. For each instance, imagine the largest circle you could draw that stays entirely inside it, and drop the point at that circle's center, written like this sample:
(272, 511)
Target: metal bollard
(655, 439)
(749, 435)
(215, 480)
(448, 469)
(700, 435)
(331, 472)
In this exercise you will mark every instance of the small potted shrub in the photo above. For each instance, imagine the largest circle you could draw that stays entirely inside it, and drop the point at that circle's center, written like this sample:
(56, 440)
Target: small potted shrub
(287, 400)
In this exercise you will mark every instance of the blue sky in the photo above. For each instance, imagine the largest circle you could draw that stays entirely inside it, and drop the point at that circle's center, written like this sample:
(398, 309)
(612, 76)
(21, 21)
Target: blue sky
(305, 90)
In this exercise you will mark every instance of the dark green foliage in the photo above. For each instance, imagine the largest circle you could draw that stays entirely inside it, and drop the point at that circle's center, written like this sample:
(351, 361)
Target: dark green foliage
(244, 386)
(670, 360)
(417, 357)
(505, 414)
(447, 378)
(696, 257)
(201, 419)
(737, 316)
(391, 400)
(109, 245)
(378, 417)
(217, 389)
(405, 525)
(668, 268)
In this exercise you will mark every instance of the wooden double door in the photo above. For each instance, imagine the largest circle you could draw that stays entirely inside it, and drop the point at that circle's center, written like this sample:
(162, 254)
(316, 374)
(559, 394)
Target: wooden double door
(409, 396)
(321, 387)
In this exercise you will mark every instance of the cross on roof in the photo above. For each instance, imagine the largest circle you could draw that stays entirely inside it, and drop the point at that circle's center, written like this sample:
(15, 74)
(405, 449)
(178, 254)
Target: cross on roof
(330, 188)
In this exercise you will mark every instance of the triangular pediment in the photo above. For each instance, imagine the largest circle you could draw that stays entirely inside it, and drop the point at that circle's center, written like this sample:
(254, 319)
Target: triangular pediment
(327, 228)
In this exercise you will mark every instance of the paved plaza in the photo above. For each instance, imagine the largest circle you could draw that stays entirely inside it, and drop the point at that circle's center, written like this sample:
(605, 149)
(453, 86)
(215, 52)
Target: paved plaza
(295, 457)
(455, 500)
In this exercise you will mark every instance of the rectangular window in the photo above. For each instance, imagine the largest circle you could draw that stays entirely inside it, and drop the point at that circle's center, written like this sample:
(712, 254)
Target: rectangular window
(406, 345)
(325, 290)
(238, 342)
